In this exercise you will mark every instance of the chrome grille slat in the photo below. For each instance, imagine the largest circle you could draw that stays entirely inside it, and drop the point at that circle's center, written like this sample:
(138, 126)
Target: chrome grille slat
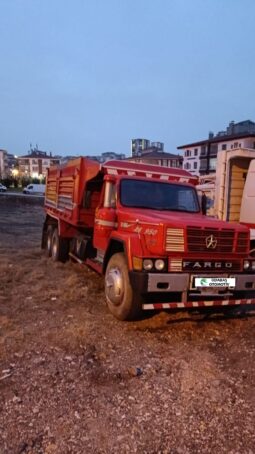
(174, 240)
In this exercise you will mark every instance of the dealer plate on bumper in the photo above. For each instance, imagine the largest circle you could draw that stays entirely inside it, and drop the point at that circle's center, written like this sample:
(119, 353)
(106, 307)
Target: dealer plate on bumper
(215, 282)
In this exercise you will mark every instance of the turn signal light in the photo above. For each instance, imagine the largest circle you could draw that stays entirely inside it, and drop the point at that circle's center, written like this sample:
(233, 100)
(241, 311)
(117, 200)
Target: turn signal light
(137, 263)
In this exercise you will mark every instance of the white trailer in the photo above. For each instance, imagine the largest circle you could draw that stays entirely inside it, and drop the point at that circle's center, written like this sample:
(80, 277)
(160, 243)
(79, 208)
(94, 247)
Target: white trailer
(230, 191)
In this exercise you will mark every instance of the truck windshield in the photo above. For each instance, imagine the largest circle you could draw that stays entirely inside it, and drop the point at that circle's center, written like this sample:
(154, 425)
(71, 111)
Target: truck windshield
(158, 196)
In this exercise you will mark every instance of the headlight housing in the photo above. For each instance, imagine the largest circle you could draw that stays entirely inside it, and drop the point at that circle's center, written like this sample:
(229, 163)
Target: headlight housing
(154, 264)
(249, 265)
(246, 264)
(147, 264)
(159, 264)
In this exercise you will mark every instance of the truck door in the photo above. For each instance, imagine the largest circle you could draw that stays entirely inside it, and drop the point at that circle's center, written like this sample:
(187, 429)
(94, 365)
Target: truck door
(105, 218)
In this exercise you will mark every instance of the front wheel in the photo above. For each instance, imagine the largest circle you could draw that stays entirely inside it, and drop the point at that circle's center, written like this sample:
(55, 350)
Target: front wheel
(122, 302)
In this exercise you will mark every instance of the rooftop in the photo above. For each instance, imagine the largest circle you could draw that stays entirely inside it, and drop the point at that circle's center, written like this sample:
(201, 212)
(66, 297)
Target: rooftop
(38, 154)
(216, 139)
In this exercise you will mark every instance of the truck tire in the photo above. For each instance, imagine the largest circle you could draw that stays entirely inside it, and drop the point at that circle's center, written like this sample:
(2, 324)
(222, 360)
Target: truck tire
(121, 299)
(49, 233)
(59, 247)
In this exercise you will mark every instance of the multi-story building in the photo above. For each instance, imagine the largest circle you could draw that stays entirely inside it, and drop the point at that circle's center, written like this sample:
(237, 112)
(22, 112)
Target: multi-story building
(3, 164)
(12, 164)
(200, 158)
(35, 163)
(161, 158)
(240, 127)
(140, 146)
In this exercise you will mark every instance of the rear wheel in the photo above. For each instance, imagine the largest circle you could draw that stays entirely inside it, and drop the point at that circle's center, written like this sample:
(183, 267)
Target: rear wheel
(122, 302)
(49, 233)
(59, 247)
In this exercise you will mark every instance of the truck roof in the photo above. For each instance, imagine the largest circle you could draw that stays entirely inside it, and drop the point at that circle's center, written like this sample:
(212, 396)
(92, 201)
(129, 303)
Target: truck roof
(90, 168)
(148, 170)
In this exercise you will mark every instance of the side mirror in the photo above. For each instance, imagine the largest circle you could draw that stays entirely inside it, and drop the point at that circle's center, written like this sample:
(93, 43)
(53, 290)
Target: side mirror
(203, 203)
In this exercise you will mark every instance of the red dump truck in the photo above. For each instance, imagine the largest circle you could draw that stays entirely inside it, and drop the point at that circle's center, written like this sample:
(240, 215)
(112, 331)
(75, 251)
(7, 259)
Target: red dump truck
(142, 227)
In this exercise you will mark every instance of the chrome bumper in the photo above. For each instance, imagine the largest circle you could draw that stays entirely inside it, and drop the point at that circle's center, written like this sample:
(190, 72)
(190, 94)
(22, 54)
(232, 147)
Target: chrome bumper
(182, 282)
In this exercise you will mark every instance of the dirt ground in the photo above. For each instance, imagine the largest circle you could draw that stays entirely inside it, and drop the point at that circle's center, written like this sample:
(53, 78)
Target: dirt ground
(75, 380)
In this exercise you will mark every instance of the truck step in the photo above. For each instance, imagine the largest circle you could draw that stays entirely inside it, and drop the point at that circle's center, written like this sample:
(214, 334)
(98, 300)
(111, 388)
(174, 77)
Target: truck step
(74, 257)
(95, 264)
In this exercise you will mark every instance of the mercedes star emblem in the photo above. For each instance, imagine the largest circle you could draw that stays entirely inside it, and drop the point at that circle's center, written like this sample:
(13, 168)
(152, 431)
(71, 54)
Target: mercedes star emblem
(211, 242)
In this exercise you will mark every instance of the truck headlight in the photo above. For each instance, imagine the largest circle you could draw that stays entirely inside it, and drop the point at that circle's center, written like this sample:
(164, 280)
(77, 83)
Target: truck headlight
(160, 264)
(246, 264)
(147, 264)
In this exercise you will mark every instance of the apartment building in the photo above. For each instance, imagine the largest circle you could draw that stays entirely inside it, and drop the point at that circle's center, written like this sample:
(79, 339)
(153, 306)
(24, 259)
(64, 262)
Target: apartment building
(200, 158)
(35, 163)
(140, 146)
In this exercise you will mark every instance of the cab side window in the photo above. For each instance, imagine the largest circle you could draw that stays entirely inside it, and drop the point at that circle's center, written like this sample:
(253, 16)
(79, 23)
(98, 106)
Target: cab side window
(110, 195)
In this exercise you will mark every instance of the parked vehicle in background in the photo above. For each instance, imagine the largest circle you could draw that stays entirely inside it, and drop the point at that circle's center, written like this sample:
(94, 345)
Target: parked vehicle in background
(3, 188)
(141, 226)
(230, 191)
(38, 189)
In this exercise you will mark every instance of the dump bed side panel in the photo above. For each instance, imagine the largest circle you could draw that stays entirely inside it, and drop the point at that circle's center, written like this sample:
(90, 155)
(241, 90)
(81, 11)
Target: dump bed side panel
(65, 188)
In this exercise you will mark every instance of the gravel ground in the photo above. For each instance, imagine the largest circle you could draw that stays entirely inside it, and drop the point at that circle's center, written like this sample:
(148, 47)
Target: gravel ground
(75, 380)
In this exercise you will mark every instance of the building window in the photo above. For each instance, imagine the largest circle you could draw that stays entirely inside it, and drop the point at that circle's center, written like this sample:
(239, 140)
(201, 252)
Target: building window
(195, 165)
(212, 164)
(235, 144)
(187, 153)
(224, 146)
(214, 149)
(195, 152)
(203, 150)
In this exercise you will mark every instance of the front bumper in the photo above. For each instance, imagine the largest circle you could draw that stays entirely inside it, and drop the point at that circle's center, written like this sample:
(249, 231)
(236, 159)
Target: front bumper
(176, 290)
(181, 282)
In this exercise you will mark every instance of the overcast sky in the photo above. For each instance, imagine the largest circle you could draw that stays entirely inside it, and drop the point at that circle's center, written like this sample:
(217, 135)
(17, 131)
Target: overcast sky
(86, 76)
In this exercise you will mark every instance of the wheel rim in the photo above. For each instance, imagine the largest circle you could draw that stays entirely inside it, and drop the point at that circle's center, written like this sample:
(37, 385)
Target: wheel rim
(49, 242)
(54, 248)
(114, 286)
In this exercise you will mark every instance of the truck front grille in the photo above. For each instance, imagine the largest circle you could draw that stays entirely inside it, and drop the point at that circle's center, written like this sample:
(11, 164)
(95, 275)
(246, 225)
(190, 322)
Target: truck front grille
(210, 240)
(242, 242)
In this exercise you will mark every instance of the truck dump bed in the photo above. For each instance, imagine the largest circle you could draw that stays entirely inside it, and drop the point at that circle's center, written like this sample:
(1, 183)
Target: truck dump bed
(65, 191)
